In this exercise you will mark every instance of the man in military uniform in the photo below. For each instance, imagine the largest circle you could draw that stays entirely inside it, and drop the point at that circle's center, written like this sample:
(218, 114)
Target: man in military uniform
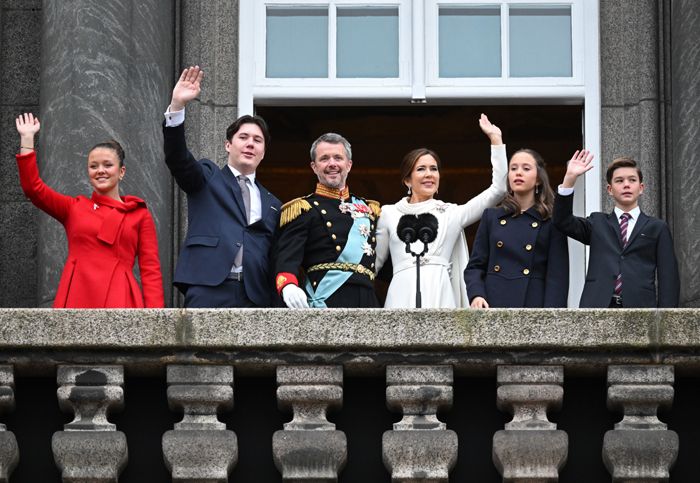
(330, 234)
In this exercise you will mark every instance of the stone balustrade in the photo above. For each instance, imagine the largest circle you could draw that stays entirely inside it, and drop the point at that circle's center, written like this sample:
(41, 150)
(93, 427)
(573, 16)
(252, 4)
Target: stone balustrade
(528, 353)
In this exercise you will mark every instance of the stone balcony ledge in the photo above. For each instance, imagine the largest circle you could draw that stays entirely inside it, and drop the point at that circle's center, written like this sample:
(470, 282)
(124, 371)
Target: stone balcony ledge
(363, 341)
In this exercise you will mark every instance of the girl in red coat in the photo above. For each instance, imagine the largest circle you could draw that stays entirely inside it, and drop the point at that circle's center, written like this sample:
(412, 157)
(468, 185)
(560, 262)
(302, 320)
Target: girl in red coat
(105, 232)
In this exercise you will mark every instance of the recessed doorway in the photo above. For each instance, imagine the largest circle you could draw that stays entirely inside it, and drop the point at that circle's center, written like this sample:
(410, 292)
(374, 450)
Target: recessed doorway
(381, 136)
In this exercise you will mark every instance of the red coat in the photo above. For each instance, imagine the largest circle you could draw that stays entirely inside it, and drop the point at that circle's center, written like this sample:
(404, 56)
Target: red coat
(104, 237)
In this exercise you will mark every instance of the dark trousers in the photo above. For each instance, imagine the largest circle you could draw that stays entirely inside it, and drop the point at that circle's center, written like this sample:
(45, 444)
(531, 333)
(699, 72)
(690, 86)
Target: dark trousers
(230, 294)
(353, 296)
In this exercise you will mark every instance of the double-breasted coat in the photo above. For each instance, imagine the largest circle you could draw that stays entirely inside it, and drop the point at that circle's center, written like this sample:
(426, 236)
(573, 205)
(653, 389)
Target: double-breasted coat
(518, 261)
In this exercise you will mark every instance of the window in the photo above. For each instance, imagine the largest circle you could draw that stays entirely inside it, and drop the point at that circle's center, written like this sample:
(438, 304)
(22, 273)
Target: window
(435, 52)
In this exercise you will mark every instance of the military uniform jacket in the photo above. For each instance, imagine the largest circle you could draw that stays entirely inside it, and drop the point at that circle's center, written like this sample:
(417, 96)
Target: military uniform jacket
(315, 230)
(520, 261)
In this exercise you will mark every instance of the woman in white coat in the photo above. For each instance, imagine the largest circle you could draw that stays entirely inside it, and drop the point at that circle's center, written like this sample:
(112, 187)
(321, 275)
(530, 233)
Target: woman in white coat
(442, 284)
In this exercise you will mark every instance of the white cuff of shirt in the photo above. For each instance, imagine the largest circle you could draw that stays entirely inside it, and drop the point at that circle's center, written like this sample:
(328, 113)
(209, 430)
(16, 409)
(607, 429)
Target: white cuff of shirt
(174, 118)
(564, 191)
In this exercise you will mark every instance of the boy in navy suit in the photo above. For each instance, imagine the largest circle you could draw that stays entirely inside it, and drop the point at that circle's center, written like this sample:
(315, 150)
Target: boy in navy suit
(632, 261)
(232, 219)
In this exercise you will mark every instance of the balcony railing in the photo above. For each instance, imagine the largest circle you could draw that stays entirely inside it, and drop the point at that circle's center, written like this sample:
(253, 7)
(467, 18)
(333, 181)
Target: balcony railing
(310, 352)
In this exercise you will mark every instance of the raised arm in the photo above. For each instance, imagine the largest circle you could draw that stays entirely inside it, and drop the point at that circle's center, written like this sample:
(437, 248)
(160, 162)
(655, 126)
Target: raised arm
(579, 163)
(53, 203)
(576, 227)
(471, 211)
(188, 173)
(187, 88)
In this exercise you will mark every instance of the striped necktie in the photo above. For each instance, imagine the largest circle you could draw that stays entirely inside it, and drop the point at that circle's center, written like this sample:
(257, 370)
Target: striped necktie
(624, 221)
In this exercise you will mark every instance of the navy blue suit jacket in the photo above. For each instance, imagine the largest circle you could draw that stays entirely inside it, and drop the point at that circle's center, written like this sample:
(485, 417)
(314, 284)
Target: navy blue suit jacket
(647, 256)
(217, 224)
(520, 261)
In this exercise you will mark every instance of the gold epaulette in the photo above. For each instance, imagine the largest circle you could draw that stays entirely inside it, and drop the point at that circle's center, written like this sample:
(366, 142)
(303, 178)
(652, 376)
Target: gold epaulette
(292, 209)
(375, 207)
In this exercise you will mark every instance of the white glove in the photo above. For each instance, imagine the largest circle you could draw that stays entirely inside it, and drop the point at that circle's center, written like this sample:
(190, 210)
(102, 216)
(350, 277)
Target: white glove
(294, 297)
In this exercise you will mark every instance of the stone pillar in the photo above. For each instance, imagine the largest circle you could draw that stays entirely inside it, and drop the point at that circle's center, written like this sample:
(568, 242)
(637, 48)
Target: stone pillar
(106, 72)
(530, 449)
(200, 448)
(685, 18)
(420, 448)
(633, 98)
(309, 449)
(90, 449)
(9, 452)
(640, 449)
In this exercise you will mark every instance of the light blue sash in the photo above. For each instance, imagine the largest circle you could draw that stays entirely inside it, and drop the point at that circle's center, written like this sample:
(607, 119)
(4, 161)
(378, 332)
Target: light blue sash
(352, 253)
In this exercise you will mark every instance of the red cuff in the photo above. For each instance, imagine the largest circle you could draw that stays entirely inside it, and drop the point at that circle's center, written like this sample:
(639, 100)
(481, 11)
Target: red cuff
(283, 279)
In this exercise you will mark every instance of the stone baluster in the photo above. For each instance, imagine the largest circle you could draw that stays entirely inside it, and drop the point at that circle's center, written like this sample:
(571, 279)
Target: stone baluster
(200, 448)
(420, 448)
(309, 449)
(640, 448)
(530, 449)
(9, 452)
(90, 449)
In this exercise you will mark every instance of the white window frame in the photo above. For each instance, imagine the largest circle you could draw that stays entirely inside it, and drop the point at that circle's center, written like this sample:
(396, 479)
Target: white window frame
(418, 82)
(513, 87)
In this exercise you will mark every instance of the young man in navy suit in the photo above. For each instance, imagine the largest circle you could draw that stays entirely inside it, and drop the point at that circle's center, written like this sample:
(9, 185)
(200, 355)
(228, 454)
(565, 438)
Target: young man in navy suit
(632, 261)
(232, 218)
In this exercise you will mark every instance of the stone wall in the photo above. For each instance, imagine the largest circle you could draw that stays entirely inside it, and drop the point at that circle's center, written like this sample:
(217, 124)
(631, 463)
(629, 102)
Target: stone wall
(20, 48)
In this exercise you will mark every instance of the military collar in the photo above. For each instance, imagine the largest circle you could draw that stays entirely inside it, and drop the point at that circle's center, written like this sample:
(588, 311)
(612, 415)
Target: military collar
(323, 190)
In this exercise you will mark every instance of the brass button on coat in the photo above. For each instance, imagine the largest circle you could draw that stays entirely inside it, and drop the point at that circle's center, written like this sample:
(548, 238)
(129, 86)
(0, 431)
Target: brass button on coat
(316, 203)
(499, 243)
(503, 222)
(323, 212)
(526, 271)
(535, 224)
(333, 236)
(329, 224)
(337, 248)
(528, 247)
(497, 268)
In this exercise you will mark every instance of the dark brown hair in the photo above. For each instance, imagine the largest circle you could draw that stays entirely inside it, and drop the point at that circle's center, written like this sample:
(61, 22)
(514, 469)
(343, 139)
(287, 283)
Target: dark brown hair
(248, 119)
(410, 160)
(114, 145)
(623, 162)
(544, 195)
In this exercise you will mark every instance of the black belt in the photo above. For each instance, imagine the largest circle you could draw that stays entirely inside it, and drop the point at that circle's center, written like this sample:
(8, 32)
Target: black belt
(238, 276)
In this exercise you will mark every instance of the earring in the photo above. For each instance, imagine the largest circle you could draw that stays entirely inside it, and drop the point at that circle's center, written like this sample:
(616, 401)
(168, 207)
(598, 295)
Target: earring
(409, 191)
(537, 189)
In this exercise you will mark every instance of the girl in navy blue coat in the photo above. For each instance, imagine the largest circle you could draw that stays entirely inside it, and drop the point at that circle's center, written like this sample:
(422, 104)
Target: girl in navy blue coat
(519, 259)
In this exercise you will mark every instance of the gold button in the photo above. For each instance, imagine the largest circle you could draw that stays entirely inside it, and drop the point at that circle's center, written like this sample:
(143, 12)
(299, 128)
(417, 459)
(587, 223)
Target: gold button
(315, 284)
(499, 243)
(374, 239)
(333, 236)
(528, 247)
(535, 224)
(371, 227)
(337, 248)
(329, 224)
(497, 268)
(316, 203)
(372, 265)
(323, 212)
(526, 271)
(503, 222)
